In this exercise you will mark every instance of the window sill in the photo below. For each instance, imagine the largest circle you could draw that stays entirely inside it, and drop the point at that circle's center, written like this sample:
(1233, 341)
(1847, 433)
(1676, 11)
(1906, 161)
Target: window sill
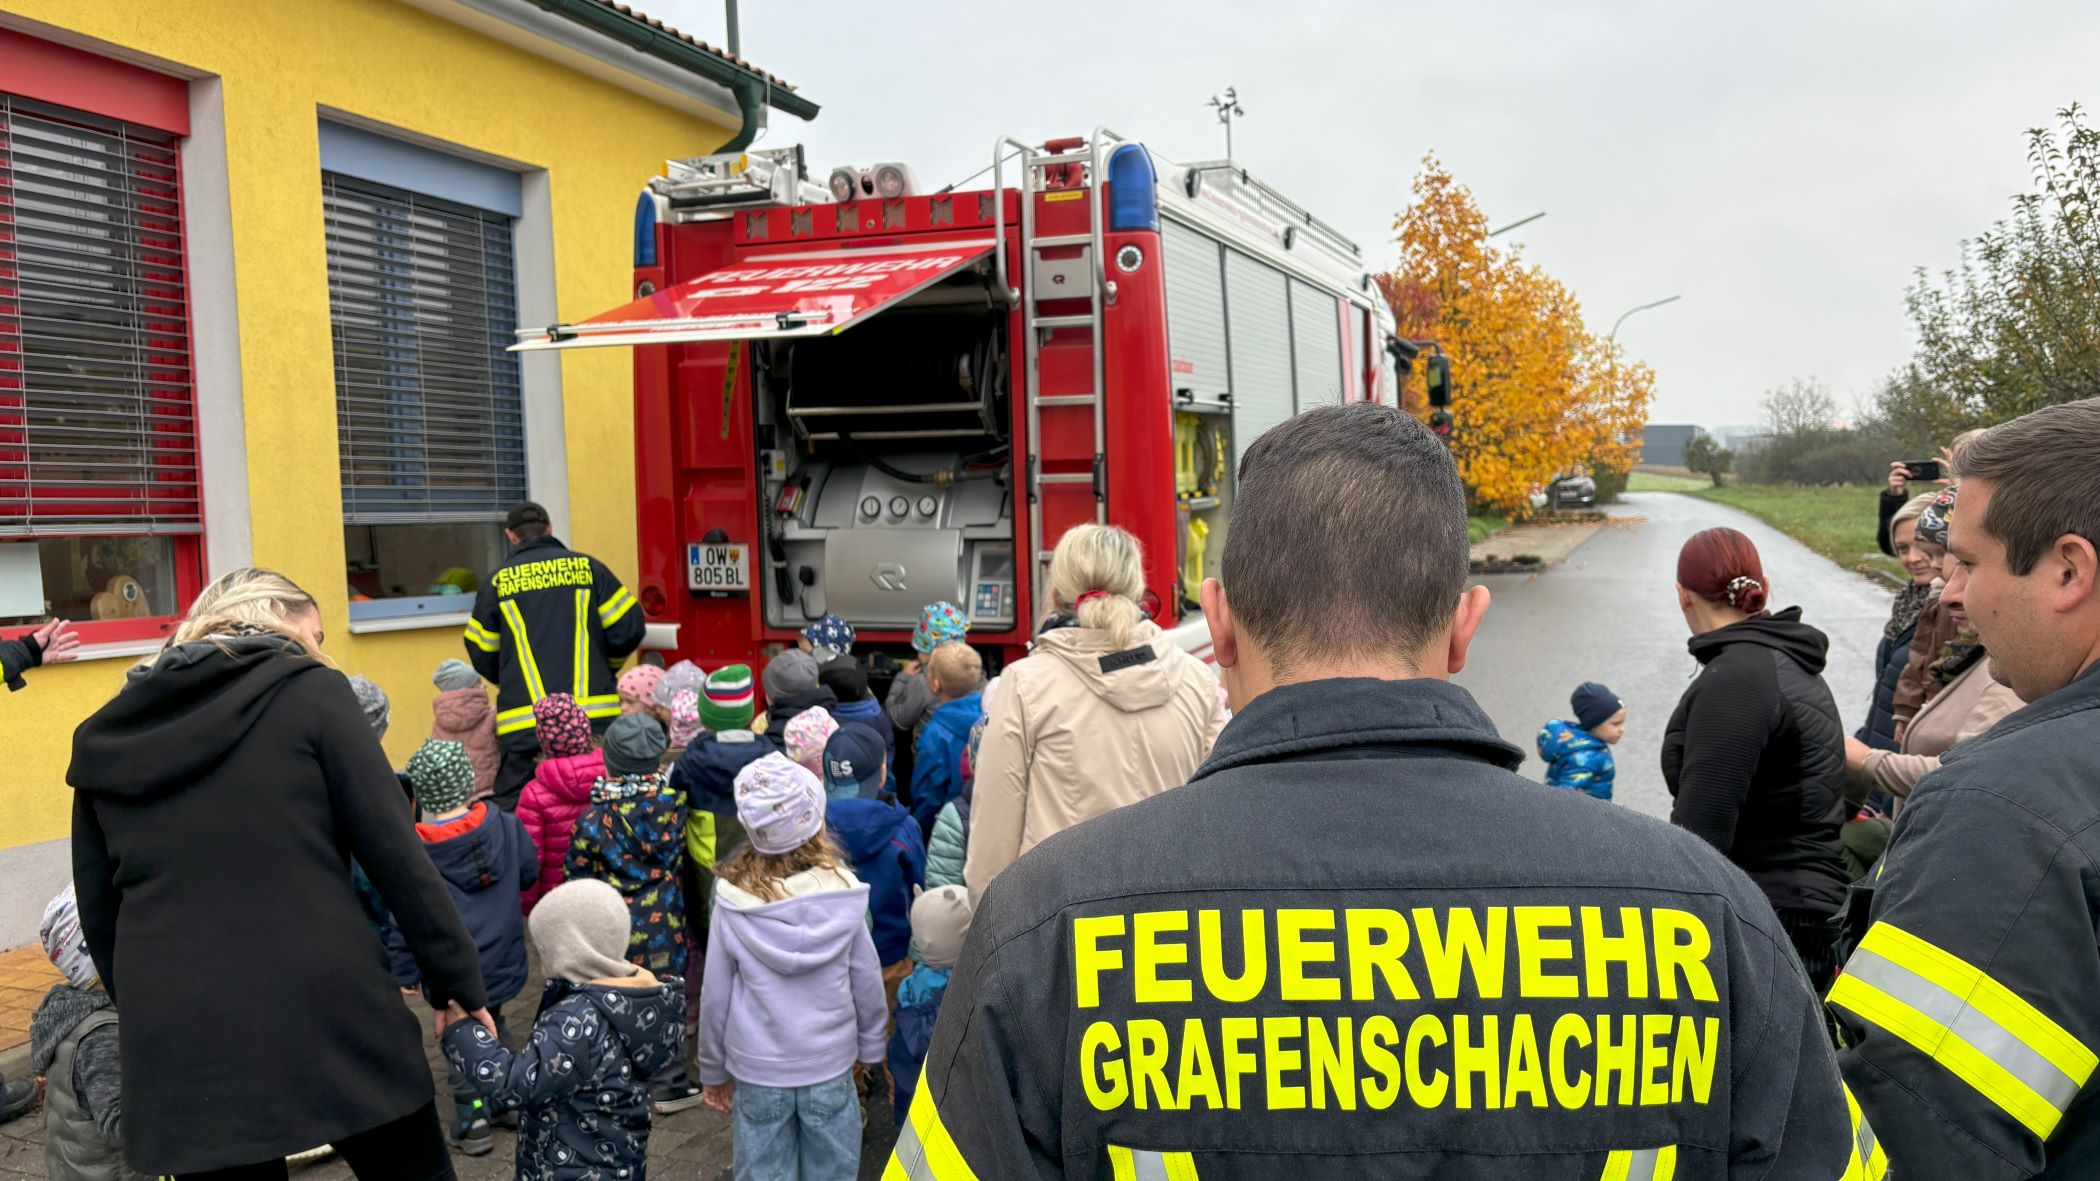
(403, 623)
(117, 650)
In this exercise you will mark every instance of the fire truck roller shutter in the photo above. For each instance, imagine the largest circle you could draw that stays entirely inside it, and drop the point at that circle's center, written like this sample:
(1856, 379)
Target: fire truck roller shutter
(906, 374)
(1257, 302)
(1316, 345)
(1195, 288)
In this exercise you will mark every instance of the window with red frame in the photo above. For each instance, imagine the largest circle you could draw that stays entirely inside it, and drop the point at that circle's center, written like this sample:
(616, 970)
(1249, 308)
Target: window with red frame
(100, 507)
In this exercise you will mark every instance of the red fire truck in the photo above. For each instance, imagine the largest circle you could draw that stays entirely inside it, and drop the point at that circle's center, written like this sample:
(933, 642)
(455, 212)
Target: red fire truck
(861, 399)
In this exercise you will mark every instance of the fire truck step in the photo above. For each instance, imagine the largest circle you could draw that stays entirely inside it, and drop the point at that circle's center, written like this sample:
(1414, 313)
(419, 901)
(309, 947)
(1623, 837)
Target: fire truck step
(1080, 321)
(1048, 241)
(1065, 478)
(1066, 400)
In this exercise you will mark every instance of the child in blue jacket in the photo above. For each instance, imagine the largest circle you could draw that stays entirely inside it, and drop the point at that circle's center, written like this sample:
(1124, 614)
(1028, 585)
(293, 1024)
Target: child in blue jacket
(1578, 753)
(940, 919)
(955, 674)
(881, 838)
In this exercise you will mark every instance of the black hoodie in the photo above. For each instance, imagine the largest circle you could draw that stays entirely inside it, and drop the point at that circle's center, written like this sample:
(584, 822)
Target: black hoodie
(1755, 756)
(220, 798)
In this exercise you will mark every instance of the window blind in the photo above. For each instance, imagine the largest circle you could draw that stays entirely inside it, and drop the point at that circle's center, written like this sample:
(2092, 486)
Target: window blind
(97, 407)
(422, 302)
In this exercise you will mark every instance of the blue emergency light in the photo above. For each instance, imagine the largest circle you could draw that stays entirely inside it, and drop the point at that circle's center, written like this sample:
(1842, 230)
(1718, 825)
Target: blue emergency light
(1132, 202)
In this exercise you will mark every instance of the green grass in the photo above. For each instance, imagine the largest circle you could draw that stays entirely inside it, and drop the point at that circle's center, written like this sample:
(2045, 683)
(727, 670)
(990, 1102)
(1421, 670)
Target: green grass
(1478, 528)
(1837, 522)
(1657, 482)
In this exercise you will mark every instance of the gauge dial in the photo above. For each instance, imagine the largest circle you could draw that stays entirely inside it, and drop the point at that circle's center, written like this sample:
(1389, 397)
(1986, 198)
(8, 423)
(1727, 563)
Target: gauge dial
(899, 506)
(871, 506)
(928, 506)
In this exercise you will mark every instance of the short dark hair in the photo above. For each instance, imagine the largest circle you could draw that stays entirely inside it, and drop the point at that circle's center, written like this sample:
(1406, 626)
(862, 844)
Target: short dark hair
(2044, 473)
(1348, 534)
(527, 520)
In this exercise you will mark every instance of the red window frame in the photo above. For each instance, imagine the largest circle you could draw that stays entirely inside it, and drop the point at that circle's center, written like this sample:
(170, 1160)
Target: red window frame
(62, 76)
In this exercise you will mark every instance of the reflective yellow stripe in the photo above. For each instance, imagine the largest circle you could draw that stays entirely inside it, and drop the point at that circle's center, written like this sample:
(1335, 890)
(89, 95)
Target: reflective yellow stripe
(583, 645)
(611, 610)
(533, 687)
(1140, 1164)
(1867, 1161)
(1641, 1164)
(925, 1151)
(481, 637)
(602, 711)
(510, 721)
(1977, 1029)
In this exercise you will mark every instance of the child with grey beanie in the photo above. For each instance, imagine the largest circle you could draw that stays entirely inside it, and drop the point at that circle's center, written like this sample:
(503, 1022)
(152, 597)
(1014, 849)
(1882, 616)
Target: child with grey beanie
(940, 921)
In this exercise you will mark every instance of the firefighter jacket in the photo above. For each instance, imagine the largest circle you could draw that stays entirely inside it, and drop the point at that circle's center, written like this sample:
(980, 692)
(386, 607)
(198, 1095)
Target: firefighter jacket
(1357, 945)
(550, 620)
(1971, 1009)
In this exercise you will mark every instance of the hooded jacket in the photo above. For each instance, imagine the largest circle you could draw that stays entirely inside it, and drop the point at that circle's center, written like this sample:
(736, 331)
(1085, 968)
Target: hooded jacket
(220, 798)
(793, 993)
(868, 711)
(581, 1082)
(1077, 730)
(1968, 707)
(1576, 759)
(705, 773)
(888, 854)
(487, 860)
(467, 717)
(1352, 838)
(1755, 758)
(936, 767)
(559, 792)
(73, 1044)
(1890, 656)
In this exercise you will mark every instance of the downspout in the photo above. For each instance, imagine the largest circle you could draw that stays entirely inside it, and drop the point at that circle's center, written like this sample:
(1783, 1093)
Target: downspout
(751, 104)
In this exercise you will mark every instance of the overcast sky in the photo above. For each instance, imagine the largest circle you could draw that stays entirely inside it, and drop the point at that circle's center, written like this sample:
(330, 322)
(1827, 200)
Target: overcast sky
(1782, 166)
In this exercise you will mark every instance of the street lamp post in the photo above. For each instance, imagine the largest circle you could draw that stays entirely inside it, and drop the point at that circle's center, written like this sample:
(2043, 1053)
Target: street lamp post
(1613, 336)
(1522, 221)
(1228, 108)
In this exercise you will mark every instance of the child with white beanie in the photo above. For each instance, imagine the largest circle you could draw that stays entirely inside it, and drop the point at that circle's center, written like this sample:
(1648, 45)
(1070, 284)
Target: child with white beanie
(792, 969)
(73, 1044)
(940, 920)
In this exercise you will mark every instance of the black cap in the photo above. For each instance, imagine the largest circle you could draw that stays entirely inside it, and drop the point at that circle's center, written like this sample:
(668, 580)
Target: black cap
(527, 513)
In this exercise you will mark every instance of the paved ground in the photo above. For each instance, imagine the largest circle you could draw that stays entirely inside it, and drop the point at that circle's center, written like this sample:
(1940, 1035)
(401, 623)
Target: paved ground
(1549, 542)
(1609, 613)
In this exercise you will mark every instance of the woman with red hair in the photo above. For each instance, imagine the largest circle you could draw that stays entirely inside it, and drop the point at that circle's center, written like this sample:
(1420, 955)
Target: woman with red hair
(1755, 753)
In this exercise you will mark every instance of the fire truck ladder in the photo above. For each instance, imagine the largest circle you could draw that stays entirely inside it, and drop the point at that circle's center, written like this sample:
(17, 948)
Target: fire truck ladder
(1035, 164)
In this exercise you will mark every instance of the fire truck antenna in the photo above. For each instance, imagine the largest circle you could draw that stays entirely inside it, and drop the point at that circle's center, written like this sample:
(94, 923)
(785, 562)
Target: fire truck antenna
(1228, 108)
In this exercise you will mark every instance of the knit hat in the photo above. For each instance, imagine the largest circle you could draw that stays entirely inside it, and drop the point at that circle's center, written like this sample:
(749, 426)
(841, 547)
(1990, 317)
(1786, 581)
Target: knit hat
(1594, 704)
(564, 728)
(372, 699)
(442, 775)
(454, 675)
(581, 928)
(940, 921)
(780, 803)
(853, 762)
(790, 674)
(1934, 521)
(938, 624)
(678, 695)
(634, 745)
(830, 632)
(846, 679)
(638, 687)
(726, 703)
(805, 736)
(63, 941)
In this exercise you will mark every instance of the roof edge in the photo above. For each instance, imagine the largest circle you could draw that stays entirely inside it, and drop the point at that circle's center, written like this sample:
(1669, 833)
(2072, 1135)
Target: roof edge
(630, 30)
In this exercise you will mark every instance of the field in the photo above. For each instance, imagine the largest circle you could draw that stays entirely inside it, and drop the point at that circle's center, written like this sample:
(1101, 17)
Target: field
(1640, 481)
(1478, 528)
(1837, 521)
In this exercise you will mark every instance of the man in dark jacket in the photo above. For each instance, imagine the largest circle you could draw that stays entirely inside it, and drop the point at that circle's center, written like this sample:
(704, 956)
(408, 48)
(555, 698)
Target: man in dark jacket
(1971, 1009)
(549, 620)
(1358, 944)
(53, 643)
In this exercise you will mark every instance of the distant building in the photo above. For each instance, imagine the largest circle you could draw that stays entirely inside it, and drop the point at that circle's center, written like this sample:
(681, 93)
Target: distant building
(1663, 443)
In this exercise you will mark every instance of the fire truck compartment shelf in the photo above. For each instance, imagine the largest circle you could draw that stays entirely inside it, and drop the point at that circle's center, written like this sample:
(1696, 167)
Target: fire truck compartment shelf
(797, 293)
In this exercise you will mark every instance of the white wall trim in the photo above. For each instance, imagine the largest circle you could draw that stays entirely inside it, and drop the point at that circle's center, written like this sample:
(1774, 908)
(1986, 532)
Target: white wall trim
(409, 623)
(215, 334)
(539, 374)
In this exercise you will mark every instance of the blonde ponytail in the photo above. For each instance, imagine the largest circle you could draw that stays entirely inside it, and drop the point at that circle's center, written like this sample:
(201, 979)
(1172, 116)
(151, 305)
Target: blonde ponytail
(1105, 567)
(246, 602)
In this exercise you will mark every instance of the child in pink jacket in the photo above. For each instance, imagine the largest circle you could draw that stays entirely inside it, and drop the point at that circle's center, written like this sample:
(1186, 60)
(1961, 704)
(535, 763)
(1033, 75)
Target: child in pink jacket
(461, 713)
(561, 789)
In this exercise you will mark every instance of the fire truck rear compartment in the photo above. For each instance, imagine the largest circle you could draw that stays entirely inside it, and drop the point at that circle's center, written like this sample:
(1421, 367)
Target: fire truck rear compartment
(894, 441)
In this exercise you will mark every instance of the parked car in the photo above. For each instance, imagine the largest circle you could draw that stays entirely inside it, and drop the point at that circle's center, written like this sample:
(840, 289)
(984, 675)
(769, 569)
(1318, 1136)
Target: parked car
(1576, 490)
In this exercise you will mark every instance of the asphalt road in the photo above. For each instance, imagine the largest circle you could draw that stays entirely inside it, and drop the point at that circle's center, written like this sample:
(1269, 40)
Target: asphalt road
(1609, 614)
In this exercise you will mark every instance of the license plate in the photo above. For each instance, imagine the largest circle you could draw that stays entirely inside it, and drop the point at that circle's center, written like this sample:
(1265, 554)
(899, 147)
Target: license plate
(723, 568)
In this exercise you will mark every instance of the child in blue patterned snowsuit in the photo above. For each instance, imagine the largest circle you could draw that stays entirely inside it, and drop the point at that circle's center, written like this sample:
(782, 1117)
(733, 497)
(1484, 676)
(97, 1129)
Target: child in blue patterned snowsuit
(633, 836)
(1578, 753)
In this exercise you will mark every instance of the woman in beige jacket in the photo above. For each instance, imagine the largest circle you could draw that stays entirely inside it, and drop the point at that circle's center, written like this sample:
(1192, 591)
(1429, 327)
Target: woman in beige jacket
(1970, 704)
(1097, 716)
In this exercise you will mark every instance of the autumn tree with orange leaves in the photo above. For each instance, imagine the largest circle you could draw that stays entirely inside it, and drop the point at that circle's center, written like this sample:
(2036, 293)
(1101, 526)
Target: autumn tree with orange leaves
(1535, 392)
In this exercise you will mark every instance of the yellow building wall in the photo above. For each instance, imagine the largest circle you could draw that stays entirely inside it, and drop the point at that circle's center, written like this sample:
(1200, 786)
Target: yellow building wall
(280, 64)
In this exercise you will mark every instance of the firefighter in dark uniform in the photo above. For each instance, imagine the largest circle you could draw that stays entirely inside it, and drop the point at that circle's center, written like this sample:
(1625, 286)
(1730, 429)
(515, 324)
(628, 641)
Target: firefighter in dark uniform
(549, 620)
(1358, 944)
(1971, 1008)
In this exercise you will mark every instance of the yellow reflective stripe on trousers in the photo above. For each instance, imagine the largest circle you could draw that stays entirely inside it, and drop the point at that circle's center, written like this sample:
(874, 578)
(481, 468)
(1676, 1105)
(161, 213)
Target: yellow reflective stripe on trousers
(1139, 1164)
(611, 610)
(925, 1151)
(1977, 1029)
(1867, 1161)
(583, 646)
(605, 705)
(482, 637)
(1641, 1164)
(510, 721)
(523, 648)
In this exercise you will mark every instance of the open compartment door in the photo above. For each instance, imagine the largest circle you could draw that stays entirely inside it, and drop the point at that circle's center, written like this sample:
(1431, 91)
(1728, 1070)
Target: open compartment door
(812, 292)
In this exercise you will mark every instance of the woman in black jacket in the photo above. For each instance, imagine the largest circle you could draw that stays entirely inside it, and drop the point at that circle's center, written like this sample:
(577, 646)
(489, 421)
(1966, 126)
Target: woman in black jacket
(220, 798)
(1755, 753)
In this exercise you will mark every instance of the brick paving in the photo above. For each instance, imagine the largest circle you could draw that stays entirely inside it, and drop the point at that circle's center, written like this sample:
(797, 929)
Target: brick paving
(25, 976)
